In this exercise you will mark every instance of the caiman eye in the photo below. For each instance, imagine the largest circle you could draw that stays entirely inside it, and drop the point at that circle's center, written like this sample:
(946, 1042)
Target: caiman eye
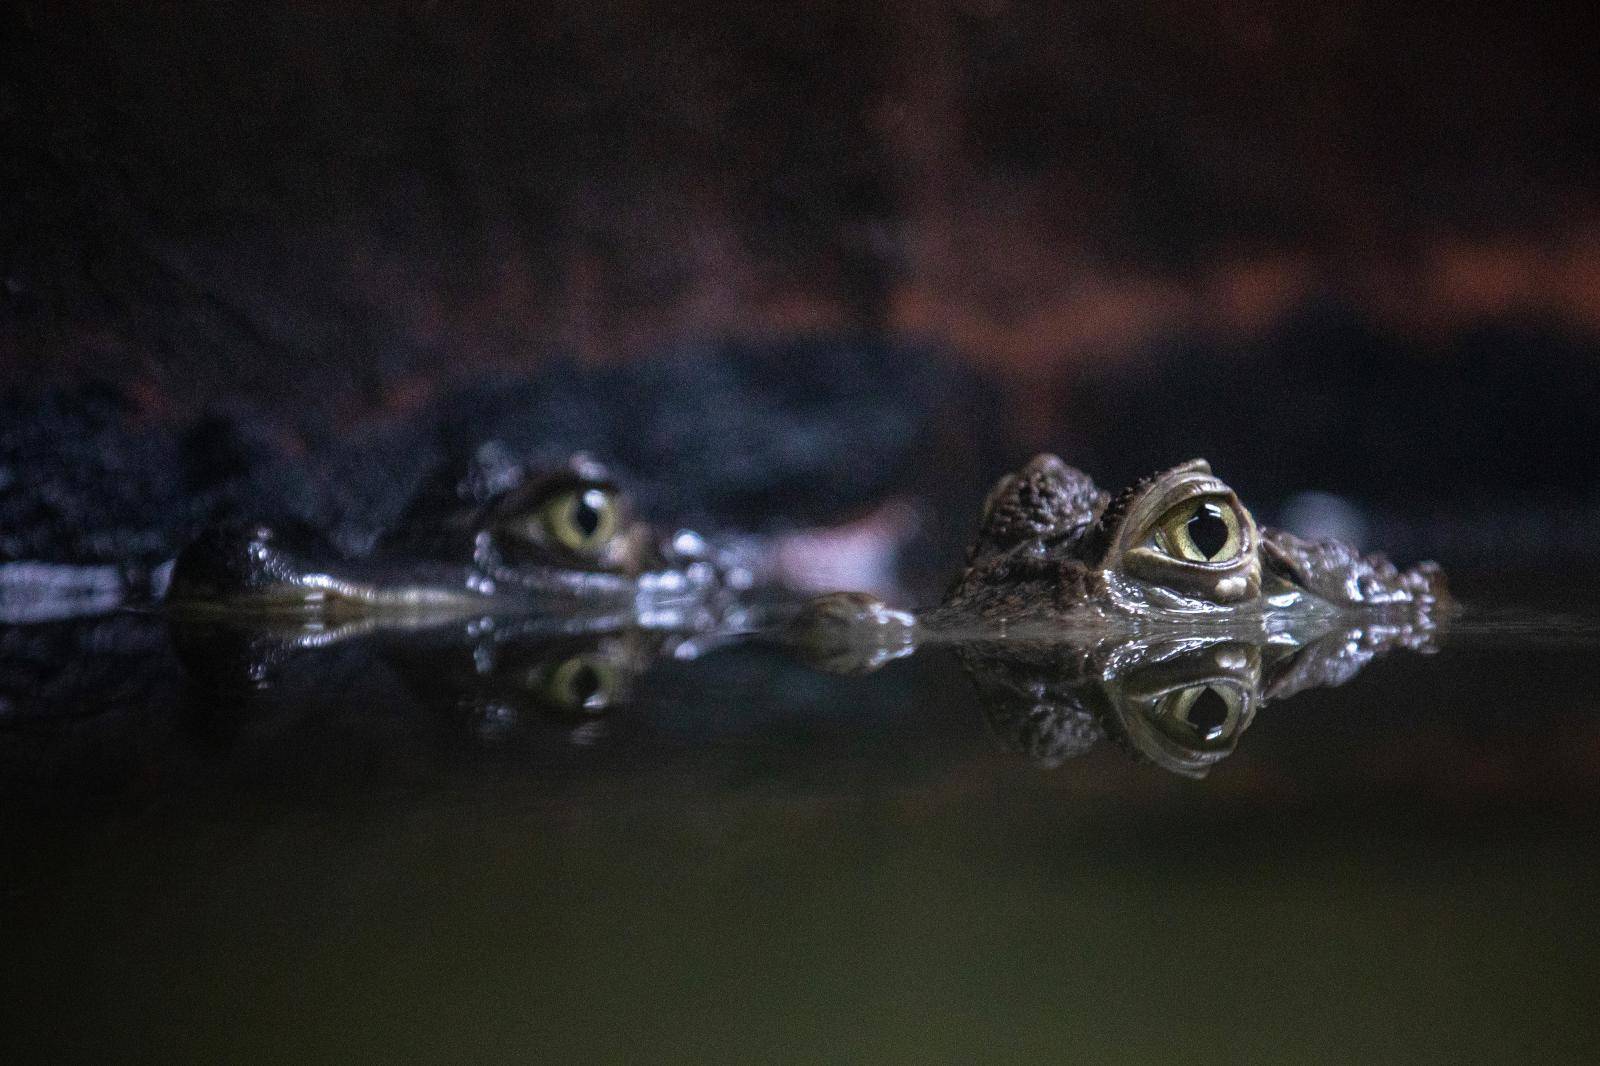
(1203, 713)
(582, 519)
(582, 683)
(1203, 530)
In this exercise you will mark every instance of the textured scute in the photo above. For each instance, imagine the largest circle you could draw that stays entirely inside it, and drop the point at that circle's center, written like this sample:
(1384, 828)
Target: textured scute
(1045, 499)
(1341, 574)
(1025, 582)
(1041, 555)
(1026, 558)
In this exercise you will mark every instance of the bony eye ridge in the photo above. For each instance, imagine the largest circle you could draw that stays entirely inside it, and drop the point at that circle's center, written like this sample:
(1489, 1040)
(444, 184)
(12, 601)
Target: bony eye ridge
(1203, 530)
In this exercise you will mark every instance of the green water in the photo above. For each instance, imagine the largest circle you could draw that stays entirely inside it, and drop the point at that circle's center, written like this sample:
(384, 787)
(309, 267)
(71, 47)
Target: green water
(752, 862)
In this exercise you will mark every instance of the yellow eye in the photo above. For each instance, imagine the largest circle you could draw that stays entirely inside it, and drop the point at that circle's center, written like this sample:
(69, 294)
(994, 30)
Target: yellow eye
(582, 519)
(582, 683)
(1203, 713)
(1203, 530)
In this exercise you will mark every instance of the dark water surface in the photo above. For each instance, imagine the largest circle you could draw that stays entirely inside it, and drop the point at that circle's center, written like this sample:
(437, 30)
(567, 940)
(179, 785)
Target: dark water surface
(751, 861)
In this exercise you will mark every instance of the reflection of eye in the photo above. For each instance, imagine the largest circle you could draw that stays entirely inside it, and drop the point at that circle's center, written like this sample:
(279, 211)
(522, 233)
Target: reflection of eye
(1204, 530)
(581, 519)
(1201, 712)
(582, 683)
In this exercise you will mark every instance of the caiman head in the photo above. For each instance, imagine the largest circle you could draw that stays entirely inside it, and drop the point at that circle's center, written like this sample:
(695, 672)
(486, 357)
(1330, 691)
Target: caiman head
(555, 542)
(1176, 546)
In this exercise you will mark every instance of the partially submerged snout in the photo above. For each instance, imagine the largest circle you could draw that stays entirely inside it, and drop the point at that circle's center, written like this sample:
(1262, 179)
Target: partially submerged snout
(564, 544)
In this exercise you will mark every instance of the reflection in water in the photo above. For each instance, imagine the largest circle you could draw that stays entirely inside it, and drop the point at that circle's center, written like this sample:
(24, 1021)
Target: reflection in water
(1177, 695)
(403, 823)
(1179, 701)
(493, 674)
(1179, 698)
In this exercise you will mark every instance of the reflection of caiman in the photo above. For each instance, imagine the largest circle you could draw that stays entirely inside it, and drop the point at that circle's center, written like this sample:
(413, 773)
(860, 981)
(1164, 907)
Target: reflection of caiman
(1164, 616)
(492, 674)
(558, 544)
(1180, 702)
(540, 600)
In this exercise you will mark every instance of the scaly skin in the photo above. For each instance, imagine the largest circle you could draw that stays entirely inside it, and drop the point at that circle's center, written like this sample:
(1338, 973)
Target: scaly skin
(1055, 550)
(1163, 617)
(1056, 557)
(1061, 562)
(557, 543)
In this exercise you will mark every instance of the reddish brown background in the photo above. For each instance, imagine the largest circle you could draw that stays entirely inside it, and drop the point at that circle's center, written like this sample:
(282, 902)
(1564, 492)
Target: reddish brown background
(338, 203)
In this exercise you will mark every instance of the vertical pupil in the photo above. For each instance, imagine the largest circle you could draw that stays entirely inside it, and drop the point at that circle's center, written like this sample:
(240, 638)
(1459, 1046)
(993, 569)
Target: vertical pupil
(1208, 530)
(585, 684)
(1208, 713)
(586, 512)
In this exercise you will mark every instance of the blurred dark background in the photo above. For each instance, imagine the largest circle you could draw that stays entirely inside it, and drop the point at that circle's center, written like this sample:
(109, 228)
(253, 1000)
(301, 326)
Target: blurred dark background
(1346, 247)
(781, 263)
